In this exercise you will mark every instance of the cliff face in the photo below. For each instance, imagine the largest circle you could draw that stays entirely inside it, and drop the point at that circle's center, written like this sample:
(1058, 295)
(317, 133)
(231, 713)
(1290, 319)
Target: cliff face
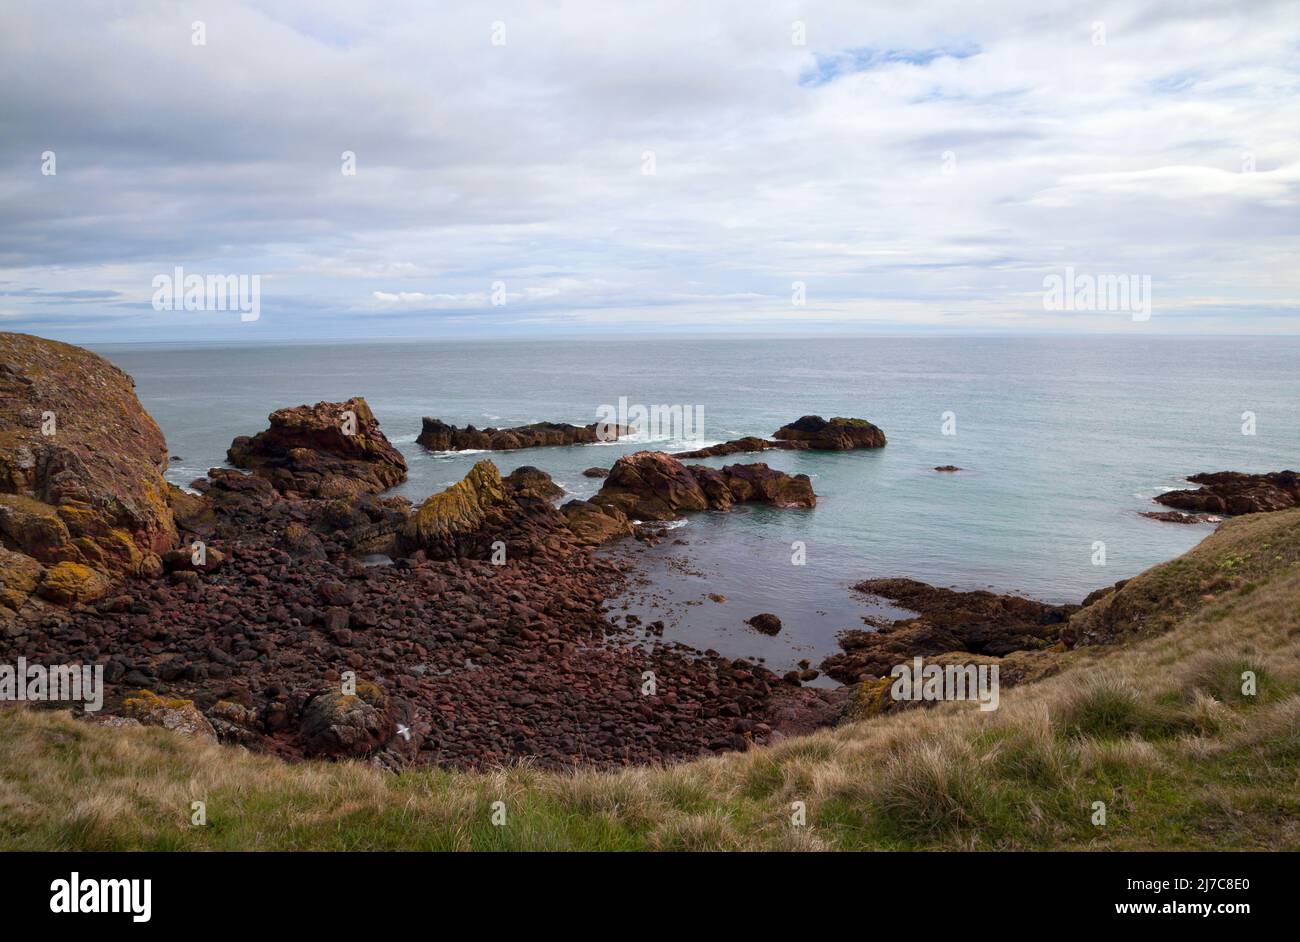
(82, 496)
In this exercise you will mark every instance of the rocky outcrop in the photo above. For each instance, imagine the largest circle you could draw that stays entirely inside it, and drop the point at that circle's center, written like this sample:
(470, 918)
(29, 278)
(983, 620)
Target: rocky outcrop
(331, 449)
(811, 432)
(1232, 492)
(82, 496)
(481, 661)
(471, 517)
(650, 485)
(437, 435)
(737, 447)
(980, 623)
(837, 434)
(1177, 516)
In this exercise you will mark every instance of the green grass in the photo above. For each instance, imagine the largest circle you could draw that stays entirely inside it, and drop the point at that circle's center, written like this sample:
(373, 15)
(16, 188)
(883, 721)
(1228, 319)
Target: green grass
(1156, 726)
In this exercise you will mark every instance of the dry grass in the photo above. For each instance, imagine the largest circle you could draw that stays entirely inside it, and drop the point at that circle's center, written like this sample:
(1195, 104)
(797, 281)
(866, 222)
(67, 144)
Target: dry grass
(1157, 729)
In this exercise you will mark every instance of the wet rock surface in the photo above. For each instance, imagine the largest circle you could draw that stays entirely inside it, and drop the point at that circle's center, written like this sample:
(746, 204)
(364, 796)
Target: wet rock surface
(980, 623)
(437, 435)
(811, 432)
(486, 639)
(1232, 492)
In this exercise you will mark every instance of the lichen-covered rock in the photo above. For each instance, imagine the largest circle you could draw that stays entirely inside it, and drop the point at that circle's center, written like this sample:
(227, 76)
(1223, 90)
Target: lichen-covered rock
(66, 583)
(440, 523)
(347, 725)
(19, 577)
(837, 434)
(180, 716)
(437, 435)
(80, 463)
(331, 449)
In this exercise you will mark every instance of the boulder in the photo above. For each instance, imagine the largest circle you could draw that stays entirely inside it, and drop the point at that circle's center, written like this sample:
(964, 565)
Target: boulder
(532, 482)
(337, 724)
(180, 716)
(767, 623)
(80, 467)
(594, 524)
(331, 449)
(66, 583)
(837, 434)
(650, 485)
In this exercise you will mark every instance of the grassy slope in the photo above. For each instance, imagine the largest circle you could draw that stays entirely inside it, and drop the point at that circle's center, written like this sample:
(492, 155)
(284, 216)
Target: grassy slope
(1155, 727)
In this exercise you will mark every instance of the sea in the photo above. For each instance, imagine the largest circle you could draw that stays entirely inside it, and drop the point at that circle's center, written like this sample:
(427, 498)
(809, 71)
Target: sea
(1062, 442)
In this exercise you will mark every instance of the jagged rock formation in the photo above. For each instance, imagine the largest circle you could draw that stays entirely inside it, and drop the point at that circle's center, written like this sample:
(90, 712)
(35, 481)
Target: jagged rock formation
(650, 485)
(1232, 492)
(484, 508)
(82, 497)
(437, 435)
(811, 432)
(331, 449)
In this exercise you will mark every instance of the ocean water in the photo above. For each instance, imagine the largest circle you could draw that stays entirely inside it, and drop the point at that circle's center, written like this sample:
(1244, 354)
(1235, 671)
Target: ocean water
(1064, 440)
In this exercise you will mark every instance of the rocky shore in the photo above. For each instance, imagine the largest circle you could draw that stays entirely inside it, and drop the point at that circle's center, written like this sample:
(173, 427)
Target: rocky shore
(246, 613)
(289, 605)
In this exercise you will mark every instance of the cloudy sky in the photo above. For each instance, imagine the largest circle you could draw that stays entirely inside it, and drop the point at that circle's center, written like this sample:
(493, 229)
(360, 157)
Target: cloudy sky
(566, 168)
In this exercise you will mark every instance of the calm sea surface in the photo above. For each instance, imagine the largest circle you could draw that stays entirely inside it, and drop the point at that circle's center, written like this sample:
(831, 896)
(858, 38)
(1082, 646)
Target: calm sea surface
(1064, 440)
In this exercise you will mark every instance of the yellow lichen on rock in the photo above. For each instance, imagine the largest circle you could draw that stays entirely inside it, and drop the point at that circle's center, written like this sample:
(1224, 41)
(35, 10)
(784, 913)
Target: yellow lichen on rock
(67, 582)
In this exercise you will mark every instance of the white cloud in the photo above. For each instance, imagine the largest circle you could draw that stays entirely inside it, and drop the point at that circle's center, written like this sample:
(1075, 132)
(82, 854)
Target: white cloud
(523, 163)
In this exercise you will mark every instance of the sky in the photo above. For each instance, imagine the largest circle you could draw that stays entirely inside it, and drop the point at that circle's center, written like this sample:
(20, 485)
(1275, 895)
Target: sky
(571, 168)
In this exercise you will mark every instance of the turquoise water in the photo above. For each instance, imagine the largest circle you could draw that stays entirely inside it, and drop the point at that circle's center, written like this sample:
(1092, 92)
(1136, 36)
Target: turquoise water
(1064, 441)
